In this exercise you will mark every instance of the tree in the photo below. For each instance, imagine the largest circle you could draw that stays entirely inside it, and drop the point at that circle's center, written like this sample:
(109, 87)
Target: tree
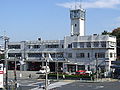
(116, 32)
(105, 32)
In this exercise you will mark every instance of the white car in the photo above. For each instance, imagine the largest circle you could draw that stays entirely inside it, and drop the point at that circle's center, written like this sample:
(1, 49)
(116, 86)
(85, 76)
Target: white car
(43, 70)
(88, 72)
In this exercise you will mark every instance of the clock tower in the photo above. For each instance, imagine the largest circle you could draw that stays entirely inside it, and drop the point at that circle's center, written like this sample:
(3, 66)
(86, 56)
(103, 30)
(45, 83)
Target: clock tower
(77, 17)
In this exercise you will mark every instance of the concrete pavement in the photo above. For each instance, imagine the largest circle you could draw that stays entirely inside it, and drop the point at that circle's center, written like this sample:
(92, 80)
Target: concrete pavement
(65, 82)
(54, 85)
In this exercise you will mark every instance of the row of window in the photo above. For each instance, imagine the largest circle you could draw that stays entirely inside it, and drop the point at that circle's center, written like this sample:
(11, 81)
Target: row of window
(96, 55)
(61, 55)
(46, 46)
(34, 46)
(14, 47)
(53, 55)
(87, 44)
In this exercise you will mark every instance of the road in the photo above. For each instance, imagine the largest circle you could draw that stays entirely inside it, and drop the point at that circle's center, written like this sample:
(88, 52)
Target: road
(91, 86)
(32, 84)
(26, 84)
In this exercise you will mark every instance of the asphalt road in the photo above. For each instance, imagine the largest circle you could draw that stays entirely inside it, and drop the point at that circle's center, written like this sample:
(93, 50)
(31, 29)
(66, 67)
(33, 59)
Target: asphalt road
(32, 84)
(91, 86)
(25, 84)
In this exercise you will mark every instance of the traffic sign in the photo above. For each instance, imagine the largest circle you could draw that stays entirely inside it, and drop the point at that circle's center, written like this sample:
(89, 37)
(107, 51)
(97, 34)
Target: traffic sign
(1, 75)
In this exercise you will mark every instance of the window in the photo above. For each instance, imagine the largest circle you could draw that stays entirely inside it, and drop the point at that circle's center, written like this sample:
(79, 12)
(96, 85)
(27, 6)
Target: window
(81, 44)
(29, 46)
(75, 44)
(14, 46)
(88, 55)
(62, 46)
(80, 55)
(103, 44)
(52, 46)
(14, 54)
(88, 44)
(59, 55)
(69, 45)
(36, 46)
(34, 54)
(111, 55)
(69, 55)
(75, 25)
(52, 55)
(100, 55)
(96, 44)
(81, 67)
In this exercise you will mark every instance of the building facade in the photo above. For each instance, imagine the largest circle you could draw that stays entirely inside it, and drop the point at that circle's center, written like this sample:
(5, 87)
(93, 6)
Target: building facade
(75, 52)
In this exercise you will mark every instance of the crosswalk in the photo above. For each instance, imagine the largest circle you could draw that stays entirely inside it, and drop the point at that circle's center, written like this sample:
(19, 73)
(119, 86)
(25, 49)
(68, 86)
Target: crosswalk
(53, 85)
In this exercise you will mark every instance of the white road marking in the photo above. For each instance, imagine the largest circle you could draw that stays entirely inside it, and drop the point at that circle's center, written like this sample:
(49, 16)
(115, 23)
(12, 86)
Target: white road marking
(98, 87)
(54, 85)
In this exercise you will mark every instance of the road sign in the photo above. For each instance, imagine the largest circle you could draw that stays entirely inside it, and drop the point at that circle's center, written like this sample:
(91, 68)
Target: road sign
(1, 75)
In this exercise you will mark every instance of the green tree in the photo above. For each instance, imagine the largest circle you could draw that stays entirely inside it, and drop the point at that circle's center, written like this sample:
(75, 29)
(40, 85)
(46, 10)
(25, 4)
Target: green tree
(116, 32)
(105, 32)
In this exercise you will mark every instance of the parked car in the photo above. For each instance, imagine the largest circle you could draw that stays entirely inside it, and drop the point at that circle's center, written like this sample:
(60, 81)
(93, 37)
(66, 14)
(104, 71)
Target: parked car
(88, 72)
(43, 70)
(80, 72)
(83, 72)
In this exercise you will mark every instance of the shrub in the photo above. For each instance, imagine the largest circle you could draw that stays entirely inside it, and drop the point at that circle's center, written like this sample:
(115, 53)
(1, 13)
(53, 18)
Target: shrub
(54, 75)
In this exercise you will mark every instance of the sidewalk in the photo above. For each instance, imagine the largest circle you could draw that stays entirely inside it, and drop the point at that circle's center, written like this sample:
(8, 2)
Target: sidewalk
(60, 83)
(55, 85)
(101, 80)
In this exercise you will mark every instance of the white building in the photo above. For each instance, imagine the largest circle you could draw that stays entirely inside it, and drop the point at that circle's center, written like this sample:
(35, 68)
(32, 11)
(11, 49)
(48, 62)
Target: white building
(75, 52)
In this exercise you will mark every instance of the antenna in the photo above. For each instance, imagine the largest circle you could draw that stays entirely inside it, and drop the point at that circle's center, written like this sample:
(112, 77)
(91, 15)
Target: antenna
(70, 4)
(4, 34)
(75, 4)
(80, 4)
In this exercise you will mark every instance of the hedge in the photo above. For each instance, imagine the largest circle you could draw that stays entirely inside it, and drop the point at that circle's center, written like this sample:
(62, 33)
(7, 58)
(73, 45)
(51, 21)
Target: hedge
(70, 76)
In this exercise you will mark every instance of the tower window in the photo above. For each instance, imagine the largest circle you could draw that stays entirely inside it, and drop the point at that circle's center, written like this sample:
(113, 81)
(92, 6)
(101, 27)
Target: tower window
(75, 25)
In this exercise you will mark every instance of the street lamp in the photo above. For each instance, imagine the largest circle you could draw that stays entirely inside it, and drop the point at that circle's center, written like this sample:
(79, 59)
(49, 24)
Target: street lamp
(6, 65)
(6, 78)
(21, 64)
(46, 75)
(15, 77)
(57, 71)
(6, 39)
(46, 71)
(57, 67)
(97, 66)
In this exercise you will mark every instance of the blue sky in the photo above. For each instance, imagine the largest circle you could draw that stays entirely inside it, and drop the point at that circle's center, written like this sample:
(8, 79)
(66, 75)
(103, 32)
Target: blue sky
(49, 19)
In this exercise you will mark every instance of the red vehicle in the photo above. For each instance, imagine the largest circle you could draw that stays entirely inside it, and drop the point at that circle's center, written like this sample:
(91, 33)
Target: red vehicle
(83, 72)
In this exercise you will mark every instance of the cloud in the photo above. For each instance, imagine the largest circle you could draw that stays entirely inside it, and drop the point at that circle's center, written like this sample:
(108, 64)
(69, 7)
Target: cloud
(118, 19)
(115, 22)
(92, 4)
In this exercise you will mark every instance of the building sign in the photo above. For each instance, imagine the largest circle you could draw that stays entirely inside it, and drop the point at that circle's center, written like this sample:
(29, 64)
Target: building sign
(1, 75)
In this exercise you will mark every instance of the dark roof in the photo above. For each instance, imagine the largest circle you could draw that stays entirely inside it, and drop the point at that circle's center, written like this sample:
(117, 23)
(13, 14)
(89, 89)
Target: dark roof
(115, 66)
(115, 62)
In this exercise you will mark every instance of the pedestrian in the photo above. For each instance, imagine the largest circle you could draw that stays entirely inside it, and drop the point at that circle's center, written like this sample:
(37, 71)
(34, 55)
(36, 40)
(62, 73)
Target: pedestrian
(29, 75)
(63, 76)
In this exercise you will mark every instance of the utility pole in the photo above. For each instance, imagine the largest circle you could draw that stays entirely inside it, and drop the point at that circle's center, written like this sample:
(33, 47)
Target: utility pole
(6, 39)
(46, 76)
(57, 66)
(97, 66)
(15, 77)
(57, 71)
